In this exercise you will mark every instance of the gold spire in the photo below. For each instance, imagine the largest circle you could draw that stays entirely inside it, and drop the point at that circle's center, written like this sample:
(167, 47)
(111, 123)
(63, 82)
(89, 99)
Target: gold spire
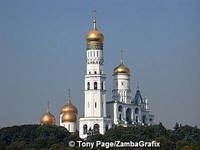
(94, 20)
(68, 106)
(121, 57)
(48, 118)
(48, 106)
(69, 100)
(68, 111)
(121, 69)
(94, 35)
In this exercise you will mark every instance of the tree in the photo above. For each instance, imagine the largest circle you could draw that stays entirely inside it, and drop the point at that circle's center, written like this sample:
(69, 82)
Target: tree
(176, 127)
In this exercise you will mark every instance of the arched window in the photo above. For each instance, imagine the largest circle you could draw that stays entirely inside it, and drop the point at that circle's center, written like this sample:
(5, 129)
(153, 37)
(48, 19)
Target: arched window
(95, 85)
(120, 117)
(102, 85)
(95, 72)
(136, 110)
(120, 108)
(88, 85)
(136, 119)
(85, 129)
(106, 127)
(144, 119)
(96, 128)
(95, 104)
(128, 115)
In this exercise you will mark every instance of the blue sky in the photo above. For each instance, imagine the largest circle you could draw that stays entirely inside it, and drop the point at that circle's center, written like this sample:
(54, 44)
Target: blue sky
(42, 54)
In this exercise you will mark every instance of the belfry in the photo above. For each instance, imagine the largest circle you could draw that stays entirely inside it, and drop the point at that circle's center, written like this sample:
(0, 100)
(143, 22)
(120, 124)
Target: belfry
(95, 119)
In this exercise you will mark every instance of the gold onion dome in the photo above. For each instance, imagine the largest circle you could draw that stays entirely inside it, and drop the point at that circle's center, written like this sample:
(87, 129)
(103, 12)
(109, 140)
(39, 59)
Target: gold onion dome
(121, 69)
(94, 35)
(47, 118)
(68, 107)
(69, 116)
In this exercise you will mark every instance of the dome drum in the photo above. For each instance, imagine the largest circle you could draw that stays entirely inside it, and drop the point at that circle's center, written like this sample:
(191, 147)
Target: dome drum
(94, 46)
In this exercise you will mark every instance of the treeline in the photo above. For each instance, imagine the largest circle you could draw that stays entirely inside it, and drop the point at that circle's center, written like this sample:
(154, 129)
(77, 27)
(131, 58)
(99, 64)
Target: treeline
(49, 137)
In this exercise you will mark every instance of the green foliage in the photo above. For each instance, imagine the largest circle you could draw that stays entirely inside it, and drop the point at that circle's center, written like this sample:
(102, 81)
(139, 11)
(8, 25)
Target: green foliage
(51, 137)
(33, 137)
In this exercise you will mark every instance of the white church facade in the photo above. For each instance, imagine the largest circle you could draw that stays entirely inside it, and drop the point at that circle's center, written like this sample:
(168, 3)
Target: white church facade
(101, 114)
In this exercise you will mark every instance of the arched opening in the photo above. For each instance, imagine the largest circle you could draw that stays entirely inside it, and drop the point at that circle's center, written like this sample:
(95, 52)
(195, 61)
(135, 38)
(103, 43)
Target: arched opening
(95, 72)
(96, 128)
(120, 117)
(128, 115)
(95, 85)
(102, 85)
(136, 119)
(106, 127)
(136, 111)
(120, 108)
(85, 129)
(95, 104)
(88, 85)
(144, 119)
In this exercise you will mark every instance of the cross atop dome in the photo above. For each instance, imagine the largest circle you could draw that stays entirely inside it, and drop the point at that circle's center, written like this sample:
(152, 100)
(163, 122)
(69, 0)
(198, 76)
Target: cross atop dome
(69, 98)
(94, 19)
(121, 57)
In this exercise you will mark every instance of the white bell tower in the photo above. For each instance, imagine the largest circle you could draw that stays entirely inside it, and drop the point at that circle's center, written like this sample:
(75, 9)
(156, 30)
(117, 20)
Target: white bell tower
(121, 83)
(94, 120)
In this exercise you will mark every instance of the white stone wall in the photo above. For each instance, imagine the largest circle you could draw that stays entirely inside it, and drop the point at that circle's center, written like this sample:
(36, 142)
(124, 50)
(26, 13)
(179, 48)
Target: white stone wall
(90, 122)
(121, 88)
(70, 126)
(113, 111)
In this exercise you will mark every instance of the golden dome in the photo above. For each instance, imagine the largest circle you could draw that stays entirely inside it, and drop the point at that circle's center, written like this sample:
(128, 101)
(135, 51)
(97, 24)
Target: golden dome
(94, 35)
(69, 116)
(121, 69)
(47, 118)
(68, 107)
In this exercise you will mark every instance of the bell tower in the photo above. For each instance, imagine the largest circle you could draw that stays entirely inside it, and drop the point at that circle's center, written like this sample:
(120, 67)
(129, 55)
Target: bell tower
(94, 120)
(121, 83)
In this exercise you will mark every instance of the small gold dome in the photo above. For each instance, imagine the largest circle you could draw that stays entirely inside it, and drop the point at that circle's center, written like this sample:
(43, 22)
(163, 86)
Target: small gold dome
(121, 69)
(69, 116)
(94, 35)
(47, 118)
(68, 107)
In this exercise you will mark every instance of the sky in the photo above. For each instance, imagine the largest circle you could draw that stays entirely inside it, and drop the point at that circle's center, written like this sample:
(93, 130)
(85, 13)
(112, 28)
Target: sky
(43, 53)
